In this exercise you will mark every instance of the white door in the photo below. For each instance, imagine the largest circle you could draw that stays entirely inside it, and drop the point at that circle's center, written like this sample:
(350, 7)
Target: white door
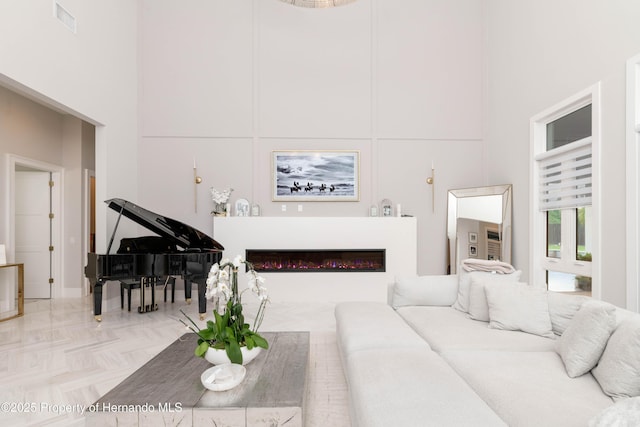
(33, 231)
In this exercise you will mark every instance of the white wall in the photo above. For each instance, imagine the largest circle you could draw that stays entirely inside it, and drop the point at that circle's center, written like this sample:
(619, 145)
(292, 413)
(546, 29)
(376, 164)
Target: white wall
(28, 130)
(229, 82)
(538, 54)
(92, 75)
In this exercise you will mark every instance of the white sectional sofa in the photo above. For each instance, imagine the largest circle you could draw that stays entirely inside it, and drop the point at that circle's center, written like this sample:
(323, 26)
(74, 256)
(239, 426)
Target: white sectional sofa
(424, 359)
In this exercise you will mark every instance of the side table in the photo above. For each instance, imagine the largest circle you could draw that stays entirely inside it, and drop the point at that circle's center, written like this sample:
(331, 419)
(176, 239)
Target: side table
(20, 295)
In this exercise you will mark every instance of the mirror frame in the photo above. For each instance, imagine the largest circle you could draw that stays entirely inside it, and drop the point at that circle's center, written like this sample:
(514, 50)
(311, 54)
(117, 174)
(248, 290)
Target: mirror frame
(505, 228)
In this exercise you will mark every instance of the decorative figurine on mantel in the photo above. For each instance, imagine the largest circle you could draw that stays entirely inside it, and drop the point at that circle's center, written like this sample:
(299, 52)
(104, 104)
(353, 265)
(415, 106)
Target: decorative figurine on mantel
(220, 201)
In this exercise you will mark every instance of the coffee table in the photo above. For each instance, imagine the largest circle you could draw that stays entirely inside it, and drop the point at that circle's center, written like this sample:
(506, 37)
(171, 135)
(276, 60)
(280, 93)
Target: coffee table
(167, 390)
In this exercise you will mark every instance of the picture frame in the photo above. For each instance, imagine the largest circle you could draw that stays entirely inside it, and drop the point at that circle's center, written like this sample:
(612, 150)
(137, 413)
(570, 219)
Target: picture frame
(242, 207)
(387, 208)
(315, 176)
(473, 251)
(473, 237)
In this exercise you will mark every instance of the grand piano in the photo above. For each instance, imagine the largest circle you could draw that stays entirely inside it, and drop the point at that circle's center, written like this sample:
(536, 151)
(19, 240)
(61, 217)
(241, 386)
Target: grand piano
(148, 258)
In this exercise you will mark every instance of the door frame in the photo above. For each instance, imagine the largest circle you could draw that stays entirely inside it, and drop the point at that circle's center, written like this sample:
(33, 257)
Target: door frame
(633, 183)
(57, 195)
(87, 207)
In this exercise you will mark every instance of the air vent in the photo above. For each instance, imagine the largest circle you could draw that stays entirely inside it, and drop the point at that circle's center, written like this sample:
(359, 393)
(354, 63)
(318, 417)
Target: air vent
(64, 16)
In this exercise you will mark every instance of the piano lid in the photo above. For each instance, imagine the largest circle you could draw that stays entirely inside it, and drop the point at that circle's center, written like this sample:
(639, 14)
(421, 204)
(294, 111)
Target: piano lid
(182, 234)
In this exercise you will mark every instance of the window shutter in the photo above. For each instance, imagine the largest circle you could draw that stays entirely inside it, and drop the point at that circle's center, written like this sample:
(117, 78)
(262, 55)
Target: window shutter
(565, 176)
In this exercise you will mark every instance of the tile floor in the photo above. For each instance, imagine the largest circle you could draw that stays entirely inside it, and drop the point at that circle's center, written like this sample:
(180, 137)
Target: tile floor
(57, 358)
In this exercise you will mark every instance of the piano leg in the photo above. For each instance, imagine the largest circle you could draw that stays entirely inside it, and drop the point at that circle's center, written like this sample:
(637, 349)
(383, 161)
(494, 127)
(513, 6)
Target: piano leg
(202, 301)
(152, 283)
(187, 291)
(97, 301)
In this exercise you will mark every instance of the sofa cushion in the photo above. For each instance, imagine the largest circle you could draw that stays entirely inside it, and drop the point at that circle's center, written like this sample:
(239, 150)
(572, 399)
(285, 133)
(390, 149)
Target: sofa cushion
(425, 290)
(584, 340)
(562, 308)
(530, 388)
(519, 308)
(618, 370)
(447, 329)
(410, 387)
(365, 325)
(464, 281)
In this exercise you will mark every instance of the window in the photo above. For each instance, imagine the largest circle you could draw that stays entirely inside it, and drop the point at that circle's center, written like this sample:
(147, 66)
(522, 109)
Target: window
(564, 149)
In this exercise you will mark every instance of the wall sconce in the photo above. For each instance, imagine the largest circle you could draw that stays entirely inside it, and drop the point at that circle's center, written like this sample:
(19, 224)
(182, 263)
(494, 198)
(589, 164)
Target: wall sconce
(430, 181)
(196, 180)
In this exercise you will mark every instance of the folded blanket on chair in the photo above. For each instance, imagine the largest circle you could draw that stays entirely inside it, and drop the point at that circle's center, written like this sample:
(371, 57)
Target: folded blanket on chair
(498, 267)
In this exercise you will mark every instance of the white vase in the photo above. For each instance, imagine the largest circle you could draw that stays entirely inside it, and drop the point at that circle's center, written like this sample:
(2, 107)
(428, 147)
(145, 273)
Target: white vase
(219, 356)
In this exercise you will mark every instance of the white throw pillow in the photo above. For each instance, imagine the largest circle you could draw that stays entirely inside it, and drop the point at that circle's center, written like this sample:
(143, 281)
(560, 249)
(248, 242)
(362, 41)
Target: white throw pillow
(618, 371)
(439, 290)
(584, 340)
(464, 283)
(519, 308)
(478, 306)
(562, 308)
(625, 413)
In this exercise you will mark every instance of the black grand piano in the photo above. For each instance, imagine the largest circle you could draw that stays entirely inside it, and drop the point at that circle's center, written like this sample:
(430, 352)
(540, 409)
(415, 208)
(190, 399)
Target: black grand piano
(149, 258)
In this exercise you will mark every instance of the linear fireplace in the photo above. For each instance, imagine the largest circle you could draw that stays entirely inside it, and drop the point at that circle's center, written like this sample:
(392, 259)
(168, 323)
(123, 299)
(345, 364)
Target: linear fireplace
(317, 260)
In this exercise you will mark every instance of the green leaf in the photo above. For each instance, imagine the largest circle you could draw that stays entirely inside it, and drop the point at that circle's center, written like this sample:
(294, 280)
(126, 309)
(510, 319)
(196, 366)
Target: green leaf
(249, 342)
(230, 335)
(207, 334)
(233, 352)
(201, 349)
(259, 341)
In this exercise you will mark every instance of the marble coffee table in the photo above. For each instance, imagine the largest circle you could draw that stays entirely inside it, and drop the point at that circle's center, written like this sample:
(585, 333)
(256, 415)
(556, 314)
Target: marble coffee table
(167, 389)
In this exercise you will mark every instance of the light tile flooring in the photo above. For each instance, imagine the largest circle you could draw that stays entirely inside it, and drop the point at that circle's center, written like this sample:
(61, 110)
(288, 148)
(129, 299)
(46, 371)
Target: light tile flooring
(57, 358)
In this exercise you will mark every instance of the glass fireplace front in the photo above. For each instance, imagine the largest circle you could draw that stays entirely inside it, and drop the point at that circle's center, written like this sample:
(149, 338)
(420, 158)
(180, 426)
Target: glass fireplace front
(317, 260)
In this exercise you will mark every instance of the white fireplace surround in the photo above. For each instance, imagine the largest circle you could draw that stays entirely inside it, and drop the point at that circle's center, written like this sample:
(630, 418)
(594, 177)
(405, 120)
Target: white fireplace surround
(398, 236)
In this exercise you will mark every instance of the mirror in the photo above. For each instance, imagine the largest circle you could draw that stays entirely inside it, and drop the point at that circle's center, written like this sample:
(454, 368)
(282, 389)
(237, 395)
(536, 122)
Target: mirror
(479, 224)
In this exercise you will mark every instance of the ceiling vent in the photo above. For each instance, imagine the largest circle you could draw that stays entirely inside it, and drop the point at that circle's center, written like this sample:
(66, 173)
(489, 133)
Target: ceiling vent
(64, 16)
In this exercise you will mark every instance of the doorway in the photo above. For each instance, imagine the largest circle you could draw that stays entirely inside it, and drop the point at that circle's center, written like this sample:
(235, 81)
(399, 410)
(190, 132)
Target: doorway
(36, 200)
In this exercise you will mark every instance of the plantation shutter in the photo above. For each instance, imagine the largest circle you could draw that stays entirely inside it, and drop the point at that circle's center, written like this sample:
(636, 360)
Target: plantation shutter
(565, 176)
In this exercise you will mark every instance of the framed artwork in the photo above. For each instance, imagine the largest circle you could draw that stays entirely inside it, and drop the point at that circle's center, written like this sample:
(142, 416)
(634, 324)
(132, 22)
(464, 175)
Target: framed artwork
(316, 176)
(473, 237)
(387, 208)
(242, 207)
(473, 251)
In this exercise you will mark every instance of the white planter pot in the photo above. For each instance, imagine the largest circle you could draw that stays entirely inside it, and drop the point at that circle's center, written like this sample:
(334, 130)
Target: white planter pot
(219, 356)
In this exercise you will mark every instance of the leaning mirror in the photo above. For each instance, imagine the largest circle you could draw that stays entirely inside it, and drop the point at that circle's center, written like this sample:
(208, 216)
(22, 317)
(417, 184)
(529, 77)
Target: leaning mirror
(479, 224)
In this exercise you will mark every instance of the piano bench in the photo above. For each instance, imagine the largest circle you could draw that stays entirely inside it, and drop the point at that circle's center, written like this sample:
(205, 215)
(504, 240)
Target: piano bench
(135, 284)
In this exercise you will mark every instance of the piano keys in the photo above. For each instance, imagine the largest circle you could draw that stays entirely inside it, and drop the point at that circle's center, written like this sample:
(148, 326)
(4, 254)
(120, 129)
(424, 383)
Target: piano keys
(179, 250)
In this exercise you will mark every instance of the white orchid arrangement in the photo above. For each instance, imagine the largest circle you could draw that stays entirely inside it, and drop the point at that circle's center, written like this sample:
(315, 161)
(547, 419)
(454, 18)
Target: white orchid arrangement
(229, 330)
(221, 196)
(222, 281)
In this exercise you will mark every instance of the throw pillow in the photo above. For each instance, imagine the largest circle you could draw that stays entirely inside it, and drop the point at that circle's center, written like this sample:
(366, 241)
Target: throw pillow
(584, 340)
(424, 290)
(625, 413)
(519, 308)
(464, 283)
(562, 308)
(618, 371)
(478, 306)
